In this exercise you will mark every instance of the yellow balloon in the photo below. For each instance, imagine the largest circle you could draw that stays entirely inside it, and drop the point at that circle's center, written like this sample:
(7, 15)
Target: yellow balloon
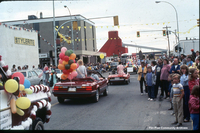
(101, 56)
(20, 112)
(23, 103)
(28, 91)
(11, 85)
(21, 87)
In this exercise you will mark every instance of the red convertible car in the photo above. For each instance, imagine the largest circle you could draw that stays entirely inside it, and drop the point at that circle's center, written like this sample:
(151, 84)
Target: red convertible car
(81, 88)
(119, 78)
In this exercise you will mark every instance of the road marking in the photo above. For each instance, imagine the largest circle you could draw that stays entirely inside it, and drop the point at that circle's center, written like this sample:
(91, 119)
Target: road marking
(54, 104)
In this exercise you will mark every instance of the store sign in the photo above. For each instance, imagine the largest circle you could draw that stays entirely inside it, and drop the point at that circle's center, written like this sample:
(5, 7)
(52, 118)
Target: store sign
(24, 41)
(43, 55)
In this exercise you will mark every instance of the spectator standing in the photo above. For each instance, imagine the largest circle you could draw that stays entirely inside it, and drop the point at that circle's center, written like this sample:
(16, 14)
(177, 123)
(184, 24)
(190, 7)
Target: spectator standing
(164, 78)
(150, 83)
(52, 79)
(197, 54)
(81, 70)
(178, 94)
(153, 66)
(194, 107)
(183, 59)
(184, 82)
(19, 68)
(13, 69)
(175, 68)
(45, 75)
(158, 81)
(193, 78)
(141, 77)
(189, 61)
(196, 63)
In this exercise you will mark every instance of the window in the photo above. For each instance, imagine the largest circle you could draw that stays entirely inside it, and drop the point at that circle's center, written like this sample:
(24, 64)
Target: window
(34, 73)
(29, 74)
(24, 73)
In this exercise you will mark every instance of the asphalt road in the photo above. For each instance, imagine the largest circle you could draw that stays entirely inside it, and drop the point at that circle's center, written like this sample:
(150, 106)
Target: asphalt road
(123, 109)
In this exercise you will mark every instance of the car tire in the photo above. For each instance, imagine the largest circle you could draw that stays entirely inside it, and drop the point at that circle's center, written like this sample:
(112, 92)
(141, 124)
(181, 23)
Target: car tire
(105, 93)
(96, 96)
(60, 100)
(37, 124)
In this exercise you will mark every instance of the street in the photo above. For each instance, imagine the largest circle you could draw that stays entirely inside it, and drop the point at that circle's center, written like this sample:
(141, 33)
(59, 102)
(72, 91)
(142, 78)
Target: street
(123, 109)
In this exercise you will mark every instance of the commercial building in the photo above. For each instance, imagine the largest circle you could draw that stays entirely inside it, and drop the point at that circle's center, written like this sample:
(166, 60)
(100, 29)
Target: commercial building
(18, 46)
(84, 37)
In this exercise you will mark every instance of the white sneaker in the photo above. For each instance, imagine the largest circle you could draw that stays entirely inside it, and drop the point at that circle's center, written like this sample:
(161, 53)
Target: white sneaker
(151, 99)
(141, 94)
(148, 99)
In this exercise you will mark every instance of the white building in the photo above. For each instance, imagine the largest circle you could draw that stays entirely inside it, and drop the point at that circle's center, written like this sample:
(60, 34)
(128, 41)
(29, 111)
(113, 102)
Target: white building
(19, 47)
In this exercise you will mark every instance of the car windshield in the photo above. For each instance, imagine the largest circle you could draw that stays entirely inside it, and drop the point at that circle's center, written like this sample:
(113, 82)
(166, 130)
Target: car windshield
(24, 73)
(58, 71)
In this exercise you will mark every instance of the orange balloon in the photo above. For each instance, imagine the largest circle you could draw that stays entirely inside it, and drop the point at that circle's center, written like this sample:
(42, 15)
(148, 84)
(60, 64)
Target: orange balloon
(64, 76)
(72, 56)
(61, 67)
(64, 63)
(73, 66)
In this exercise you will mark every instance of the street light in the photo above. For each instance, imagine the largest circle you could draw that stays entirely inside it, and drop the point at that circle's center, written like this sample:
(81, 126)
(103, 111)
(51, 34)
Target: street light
(71, 28)
(176, 17)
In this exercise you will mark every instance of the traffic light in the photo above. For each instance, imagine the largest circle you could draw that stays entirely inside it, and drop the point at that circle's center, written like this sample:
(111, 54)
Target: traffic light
(176, 49)
(75, 25)
(179, 49)
(198, 22)
(116, 22)
(164, 32)
(138, 34)
(61, 39)
(58, 51)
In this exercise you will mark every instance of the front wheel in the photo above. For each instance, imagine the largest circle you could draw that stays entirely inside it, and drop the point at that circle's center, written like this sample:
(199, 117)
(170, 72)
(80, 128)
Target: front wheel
(60, 99)
(37, 124)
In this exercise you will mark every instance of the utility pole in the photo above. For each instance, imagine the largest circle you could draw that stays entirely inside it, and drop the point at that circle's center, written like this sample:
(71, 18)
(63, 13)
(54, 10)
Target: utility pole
(168, 38)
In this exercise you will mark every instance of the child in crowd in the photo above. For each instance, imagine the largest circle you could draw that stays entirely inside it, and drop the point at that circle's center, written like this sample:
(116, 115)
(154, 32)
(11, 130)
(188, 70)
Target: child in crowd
(194, 107)
(150, 82)
(170, 90)
(178, 94)
(184, 81)
(193, 78)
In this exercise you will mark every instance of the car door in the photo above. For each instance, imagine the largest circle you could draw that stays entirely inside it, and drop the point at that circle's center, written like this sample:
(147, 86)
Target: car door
(30, 77)
(36, 80)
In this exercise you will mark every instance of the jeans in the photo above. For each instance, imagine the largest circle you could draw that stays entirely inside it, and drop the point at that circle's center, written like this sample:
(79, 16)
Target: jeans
(195, 119)
(158, 84)
(185, 102)
(141, 85)
(165, 86)
(150, 91)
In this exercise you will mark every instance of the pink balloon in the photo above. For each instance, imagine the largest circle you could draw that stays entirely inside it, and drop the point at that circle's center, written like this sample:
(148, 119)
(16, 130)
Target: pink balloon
(63, 50)
(74, 74)
(70, 77)
(77, 65)
(74, 61)
(60, 61)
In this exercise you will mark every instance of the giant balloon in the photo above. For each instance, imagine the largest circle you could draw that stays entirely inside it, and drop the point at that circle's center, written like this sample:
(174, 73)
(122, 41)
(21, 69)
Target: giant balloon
(20, 76)
(23, 103)
(11, 85)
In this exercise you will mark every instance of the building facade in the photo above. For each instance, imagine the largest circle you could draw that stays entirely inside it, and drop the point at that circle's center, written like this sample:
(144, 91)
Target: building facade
(84, 37)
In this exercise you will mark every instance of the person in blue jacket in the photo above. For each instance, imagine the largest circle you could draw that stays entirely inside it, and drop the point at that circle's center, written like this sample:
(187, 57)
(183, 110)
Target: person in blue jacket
(175, 68)
(52, 79)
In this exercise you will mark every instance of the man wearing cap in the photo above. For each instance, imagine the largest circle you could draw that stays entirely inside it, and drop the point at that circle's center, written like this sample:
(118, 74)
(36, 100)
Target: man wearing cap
(184, 61)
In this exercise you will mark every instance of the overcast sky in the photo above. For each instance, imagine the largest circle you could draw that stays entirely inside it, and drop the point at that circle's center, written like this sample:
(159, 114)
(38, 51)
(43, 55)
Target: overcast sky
(134, 15)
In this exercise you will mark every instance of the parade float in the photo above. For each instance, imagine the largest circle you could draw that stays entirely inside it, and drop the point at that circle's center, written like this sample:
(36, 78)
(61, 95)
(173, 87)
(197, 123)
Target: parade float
(22, 106)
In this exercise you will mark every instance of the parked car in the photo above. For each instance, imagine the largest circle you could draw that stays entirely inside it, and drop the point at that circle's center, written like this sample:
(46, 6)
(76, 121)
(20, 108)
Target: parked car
(81, 88)
(32, 76)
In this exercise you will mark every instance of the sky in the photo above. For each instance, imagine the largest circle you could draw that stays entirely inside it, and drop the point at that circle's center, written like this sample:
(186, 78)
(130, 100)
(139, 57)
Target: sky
(145, 16)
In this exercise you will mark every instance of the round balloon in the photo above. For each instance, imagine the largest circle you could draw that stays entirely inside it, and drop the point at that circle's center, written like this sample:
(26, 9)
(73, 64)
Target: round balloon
(67, 66)
(70, 62)
(70, 70)
(73, 66)
(60, 61)
(101, 55)
(11, 86)
(27, 83)
(21, 87)
(74, 74)
(67, 53)
(28, 91)
(23, 103)
(65, 63)
(66, 58)
(65, 71)
(61, 56)
(64, 76)
(20, 76)
(61, 67)
(73, 56)
(63, 50)
(70, 77)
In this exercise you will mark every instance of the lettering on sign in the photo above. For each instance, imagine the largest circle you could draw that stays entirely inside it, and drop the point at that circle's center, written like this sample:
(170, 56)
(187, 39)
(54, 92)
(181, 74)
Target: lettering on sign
(24, 41)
